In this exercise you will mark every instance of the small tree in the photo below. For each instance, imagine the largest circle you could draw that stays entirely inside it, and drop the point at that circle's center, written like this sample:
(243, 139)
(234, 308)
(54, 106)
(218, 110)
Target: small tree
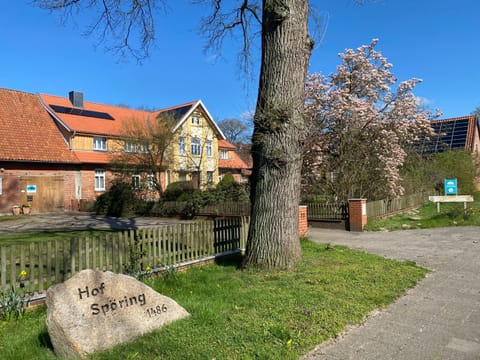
(146, 145)
(360, 129)
(235, 130)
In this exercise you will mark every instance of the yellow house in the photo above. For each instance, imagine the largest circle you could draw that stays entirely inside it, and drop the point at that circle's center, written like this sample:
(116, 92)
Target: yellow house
(194, 152)
(95, 134)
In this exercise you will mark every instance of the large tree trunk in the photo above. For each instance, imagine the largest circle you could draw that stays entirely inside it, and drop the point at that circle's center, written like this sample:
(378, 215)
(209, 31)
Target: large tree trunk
(273, 240)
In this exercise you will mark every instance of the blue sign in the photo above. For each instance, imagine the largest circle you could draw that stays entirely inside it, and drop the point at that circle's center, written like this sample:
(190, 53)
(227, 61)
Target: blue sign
(31, 188)
(450, 186)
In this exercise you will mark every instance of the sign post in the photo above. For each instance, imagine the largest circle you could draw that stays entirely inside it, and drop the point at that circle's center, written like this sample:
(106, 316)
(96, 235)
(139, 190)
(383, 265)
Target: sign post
(450, 187)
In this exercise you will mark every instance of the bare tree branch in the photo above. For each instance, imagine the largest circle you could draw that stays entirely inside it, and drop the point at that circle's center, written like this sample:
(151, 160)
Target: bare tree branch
(123, 27)
(243, 16)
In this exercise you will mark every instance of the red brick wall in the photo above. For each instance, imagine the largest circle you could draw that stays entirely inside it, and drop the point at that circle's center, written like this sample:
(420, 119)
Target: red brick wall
(302, 221)
(15, 170)
(11, 194)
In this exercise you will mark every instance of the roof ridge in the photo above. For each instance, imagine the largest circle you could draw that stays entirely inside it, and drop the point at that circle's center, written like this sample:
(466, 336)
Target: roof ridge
(177, 106)
(454, 118)
(18, 91)
(100, 104)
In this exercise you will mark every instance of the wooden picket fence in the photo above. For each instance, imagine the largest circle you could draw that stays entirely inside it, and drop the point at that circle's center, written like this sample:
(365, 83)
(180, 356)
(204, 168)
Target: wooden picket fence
(387, 207)
(53, 261)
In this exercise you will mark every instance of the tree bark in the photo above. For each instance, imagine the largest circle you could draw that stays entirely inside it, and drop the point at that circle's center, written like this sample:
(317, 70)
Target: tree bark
(273, 240)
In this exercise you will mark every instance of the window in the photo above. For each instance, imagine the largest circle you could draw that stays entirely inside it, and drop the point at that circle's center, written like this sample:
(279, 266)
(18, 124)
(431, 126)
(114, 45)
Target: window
(224, 154)
(209, 177)
(151, 181)
(181, 145)
(196, 146)
(143, 148)
(99, 180)
(136, 181)
(208, 147)
(130, 147)
(196, 120)
(100, 144)
(182, 176)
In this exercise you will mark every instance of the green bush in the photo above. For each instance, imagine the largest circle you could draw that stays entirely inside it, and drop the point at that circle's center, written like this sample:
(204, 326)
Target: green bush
(425, 173)
(118, 201)
(229, 190)
(144, 207)
(227, 181)
(175, 189)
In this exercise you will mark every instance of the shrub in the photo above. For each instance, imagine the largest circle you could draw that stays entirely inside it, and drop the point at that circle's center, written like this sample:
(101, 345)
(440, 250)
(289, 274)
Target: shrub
(144, 207)
(119, 200)
(175, 189)
(226, 181)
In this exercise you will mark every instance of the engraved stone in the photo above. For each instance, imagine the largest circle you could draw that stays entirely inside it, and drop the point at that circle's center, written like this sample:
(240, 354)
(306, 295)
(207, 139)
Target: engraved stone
(95, 310)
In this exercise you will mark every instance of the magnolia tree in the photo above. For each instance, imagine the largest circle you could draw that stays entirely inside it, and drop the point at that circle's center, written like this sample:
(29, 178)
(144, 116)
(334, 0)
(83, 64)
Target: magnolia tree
(360, 128)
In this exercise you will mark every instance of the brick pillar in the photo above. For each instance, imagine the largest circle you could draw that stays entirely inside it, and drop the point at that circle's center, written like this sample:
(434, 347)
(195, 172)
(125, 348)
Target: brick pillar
(302, 221)
(357, 214)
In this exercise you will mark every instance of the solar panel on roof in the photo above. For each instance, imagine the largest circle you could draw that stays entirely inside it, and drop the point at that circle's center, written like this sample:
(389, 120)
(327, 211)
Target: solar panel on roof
(177, 113)
(449, 135)
(81, 112)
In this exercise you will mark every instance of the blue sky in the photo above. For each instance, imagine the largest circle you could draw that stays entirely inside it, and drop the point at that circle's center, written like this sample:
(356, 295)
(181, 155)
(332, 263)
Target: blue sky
(437, 41)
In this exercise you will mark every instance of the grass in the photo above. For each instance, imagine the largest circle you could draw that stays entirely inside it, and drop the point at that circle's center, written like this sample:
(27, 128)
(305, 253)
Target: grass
(49, 235)
(246, 314)
(451, 214)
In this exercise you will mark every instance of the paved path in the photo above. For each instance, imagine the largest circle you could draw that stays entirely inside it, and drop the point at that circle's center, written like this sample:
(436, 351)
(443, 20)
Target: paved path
(437, 320)
(78, 221)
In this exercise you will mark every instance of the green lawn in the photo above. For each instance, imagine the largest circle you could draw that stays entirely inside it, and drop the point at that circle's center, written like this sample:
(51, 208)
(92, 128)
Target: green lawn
(451, 214)
(50, 235)
(242, 314)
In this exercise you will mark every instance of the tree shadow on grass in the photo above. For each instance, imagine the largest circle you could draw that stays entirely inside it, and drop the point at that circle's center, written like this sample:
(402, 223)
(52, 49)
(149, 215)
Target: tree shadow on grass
(45, 341)
(233, 260)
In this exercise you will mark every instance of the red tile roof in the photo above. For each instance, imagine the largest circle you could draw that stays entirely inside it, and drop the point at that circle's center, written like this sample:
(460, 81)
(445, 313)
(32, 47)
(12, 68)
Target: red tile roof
(224, 144)
(94, 157)
(93, 125)
(28, 132)
(234, 161)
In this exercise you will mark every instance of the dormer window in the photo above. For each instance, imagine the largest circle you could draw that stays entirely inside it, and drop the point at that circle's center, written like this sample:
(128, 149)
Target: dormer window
(130, 147)
(99, 144)
(143, 148)
(224, 154)
(196, 120)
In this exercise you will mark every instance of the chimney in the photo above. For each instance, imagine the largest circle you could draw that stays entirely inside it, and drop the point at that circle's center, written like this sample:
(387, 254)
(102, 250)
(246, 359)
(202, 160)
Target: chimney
(76, 98)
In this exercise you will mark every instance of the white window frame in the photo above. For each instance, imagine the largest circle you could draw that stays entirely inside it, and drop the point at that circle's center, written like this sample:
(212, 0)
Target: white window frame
(196, 120)
(224, 154)
(130, 147)
(136, 181)
(209, 148)
(182, 149)
(99, 144)
(196, 146)
(151, 181)
(142, 148)
(99, 180)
